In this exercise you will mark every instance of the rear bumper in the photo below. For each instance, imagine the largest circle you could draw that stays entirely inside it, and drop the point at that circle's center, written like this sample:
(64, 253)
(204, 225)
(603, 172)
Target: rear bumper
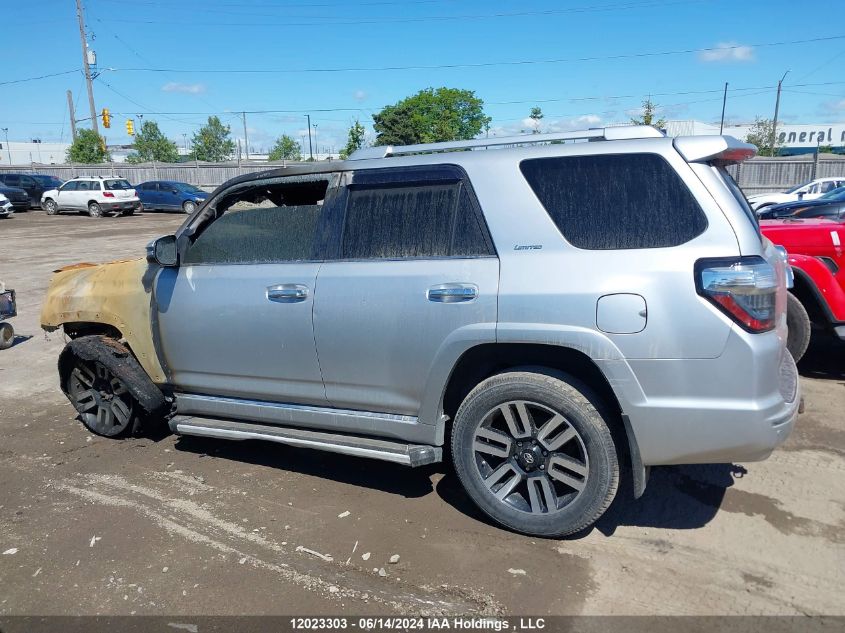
(738, 407)
(120, 206)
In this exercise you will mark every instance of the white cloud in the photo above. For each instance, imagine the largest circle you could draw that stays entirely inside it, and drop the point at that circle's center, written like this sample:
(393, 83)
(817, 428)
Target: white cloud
(360, 95)
(191, 89)
(728, 52)
(526, 126)
(834, 106)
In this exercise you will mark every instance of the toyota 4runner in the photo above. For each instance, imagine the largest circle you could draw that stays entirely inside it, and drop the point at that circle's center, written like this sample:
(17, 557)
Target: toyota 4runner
(558, 311)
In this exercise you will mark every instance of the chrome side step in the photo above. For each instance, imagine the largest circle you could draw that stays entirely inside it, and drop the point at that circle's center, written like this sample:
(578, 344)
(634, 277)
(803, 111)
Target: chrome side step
(385, 450)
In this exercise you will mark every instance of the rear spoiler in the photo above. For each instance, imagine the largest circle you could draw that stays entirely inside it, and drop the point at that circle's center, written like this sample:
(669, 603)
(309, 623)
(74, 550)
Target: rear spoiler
(703, 149)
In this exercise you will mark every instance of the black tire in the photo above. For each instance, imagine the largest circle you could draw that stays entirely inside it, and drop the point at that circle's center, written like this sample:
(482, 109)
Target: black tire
(104, 404)
(798, 324)
(51, 207)
(7, 335)
(94, 210)
(128, 212)
(555, 508)
(189, 207)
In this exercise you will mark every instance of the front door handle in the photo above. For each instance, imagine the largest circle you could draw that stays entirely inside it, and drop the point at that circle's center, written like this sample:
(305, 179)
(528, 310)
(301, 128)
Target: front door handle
(287, 293)
(452, 293)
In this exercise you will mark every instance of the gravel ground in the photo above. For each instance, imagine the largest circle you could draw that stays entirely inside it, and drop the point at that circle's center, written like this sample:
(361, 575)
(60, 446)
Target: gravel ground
(167, 525)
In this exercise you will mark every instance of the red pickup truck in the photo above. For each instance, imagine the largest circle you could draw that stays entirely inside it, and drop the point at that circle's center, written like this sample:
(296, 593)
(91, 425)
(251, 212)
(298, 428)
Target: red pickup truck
(815, 249)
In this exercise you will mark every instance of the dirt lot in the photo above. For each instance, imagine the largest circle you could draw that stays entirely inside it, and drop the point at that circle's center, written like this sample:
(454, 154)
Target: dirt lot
(166, 525)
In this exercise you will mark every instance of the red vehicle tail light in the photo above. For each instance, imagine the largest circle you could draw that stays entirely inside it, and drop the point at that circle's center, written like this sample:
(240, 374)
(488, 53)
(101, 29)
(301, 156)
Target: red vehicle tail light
(744, 288)
(108, 194)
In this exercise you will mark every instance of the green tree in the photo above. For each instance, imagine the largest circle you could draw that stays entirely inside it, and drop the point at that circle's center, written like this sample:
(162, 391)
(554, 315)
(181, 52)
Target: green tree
(286, 148)
(649, 115)
(354, 140)
(760, 134)
(152, 145)
(431, 115)
(536, 116)
(212, 143)
(89, 147)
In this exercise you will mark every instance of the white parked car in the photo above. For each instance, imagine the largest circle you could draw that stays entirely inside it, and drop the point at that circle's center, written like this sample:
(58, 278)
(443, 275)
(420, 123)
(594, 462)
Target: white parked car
(95, 195)
(6, 208)
(807, 191)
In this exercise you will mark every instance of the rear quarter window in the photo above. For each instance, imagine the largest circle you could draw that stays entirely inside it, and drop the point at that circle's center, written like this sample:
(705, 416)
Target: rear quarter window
(616, 201)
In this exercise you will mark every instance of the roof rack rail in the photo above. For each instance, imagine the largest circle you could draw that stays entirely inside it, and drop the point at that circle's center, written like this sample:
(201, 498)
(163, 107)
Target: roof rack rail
(594, 134)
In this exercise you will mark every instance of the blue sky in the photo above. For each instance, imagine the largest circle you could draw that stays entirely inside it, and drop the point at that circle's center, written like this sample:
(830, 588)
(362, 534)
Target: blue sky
(189, 38)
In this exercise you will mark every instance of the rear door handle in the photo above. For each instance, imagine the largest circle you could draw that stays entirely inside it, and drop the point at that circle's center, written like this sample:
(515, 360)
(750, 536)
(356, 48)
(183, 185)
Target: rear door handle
(287, 293)
(452, 293)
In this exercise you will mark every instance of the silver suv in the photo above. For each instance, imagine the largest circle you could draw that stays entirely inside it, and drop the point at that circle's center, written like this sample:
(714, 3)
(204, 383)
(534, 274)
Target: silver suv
(559, 311)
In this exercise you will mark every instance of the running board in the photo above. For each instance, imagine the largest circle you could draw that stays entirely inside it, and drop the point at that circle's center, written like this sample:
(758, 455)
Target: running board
(385, 450)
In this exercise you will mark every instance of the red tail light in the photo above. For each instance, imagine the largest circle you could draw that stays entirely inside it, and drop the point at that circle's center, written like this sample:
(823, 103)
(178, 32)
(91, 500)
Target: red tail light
(744, 288)
(108, 194)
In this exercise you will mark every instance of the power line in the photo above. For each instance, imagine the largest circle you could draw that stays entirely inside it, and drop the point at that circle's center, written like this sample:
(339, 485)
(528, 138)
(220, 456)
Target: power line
(330, 21)
(20, 81)
(169, 5)
(522, 62)
(237, 113)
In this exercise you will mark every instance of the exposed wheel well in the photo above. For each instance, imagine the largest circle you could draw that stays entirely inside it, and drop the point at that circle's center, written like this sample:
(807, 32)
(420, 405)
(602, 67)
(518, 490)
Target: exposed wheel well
(75, 330)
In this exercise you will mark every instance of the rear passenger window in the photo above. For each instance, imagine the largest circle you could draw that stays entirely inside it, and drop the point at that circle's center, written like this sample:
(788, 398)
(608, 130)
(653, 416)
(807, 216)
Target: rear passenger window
(621, 201)
(411, 221)
(262, 223)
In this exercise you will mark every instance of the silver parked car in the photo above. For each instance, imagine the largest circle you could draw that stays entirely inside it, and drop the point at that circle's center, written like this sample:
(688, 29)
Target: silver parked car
(558, 311)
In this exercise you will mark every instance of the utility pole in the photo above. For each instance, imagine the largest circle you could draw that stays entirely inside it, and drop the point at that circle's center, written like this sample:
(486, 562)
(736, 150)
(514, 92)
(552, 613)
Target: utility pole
(246, 138)
(86, 67)
(8, 149)
(316, 146)
(775, 120)
(72, 114)
(185, 138)
(310, 147)
(724, 101)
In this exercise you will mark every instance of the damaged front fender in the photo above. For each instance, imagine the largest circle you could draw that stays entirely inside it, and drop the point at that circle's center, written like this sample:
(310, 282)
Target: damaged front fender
(117, 295)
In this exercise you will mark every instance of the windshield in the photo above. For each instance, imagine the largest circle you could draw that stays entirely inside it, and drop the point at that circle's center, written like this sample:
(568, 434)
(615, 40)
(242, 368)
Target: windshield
(834, 194)
(795, 189)
(114, 185)
(183, 186)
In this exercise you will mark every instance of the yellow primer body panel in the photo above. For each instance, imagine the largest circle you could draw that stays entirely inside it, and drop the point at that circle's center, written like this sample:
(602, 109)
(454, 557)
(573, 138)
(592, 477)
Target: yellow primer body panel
(116, 294)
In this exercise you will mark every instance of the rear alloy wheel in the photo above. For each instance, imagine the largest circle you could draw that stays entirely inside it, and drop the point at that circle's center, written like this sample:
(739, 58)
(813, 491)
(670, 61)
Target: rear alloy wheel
(798, 327)
(50, 207)
(533, 453)
(103, 402)
(7, 335)
(189, 207)
(94, 210)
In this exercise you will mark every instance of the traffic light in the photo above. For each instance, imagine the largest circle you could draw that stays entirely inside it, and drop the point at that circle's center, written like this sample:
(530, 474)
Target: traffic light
(130, 127)
(106, 117)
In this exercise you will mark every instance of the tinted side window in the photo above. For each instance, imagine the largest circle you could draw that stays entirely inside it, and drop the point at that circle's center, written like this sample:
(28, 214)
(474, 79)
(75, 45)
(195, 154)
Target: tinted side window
(396, 222)
(70, 186)
(616, 201)
(83, 185)
(11, 180)
(264, 223)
